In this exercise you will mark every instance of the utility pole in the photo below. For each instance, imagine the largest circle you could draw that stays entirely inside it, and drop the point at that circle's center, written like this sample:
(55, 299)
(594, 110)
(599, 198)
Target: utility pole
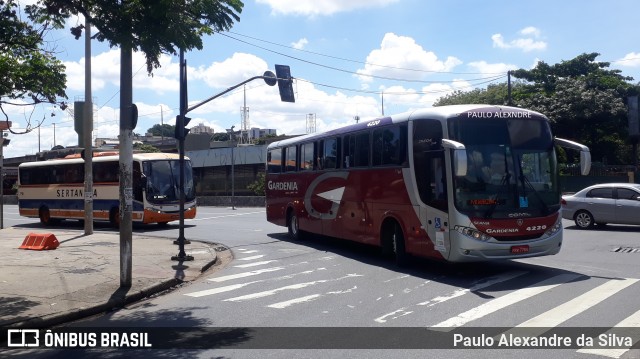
(509, 88)
(87, 153)
(126, 165)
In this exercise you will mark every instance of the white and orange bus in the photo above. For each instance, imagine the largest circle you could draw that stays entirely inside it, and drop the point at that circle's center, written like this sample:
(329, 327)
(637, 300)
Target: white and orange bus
(53, 190)
(456, 183)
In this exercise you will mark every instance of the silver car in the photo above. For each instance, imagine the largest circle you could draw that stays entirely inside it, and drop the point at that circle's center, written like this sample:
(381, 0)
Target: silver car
(603, 203)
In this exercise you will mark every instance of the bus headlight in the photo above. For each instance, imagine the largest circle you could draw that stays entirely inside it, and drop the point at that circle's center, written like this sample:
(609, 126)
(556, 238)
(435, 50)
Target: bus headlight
(555, 228)
(472, 233)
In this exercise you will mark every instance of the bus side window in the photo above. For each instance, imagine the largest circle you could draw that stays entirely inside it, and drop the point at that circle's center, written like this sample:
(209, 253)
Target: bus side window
(330, 153)
(320, 157)
(274, 161)
(291, 160)
(306, 156)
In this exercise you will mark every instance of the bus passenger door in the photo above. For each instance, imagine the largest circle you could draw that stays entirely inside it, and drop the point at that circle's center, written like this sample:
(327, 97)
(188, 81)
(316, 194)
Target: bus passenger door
(435, 195)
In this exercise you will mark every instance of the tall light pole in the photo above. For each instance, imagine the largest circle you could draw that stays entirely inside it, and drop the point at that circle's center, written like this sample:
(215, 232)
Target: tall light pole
(233, 170)
(86, 135)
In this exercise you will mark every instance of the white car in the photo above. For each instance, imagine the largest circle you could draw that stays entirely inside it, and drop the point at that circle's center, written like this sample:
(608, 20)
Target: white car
(600, 204)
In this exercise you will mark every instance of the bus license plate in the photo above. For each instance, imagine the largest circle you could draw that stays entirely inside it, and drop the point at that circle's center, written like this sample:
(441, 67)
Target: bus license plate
(520, 249)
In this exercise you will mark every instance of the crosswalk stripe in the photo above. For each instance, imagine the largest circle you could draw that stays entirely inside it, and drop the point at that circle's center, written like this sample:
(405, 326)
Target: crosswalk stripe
(290, 302)
(478, 285)
(270, 292)
(504, 301)
(251, 258)
(228, 288)
(245, 274)
(255, 264)
(633, 321)
(484, 283)
(579, 304)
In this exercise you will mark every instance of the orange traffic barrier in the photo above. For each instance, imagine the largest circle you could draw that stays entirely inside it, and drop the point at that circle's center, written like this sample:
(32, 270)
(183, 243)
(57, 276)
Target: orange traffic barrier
(40, 241)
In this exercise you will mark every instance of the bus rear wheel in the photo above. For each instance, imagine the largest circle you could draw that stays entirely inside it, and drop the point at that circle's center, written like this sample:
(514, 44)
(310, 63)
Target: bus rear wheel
(114, 217)
(45, 216)
(393, 242)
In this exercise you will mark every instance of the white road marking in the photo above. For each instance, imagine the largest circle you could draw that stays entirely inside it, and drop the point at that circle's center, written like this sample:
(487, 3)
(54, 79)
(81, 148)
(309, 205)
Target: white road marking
(288, 303)
(222, 216)
(579, 304)
(245, 274)
(633, 321)
(270, 292)
(481, 284)
(478, 285)
(504, 301)
(203, 293)
(254, 264)
(251, 258)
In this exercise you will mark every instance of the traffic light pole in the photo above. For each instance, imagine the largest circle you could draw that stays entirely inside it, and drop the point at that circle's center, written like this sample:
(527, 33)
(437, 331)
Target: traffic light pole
(181, 134)
(284, 81)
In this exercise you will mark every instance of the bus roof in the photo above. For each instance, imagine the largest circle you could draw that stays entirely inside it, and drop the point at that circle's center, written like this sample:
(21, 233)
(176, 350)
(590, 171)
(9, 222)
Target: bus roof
(440, 112)
(136, 157)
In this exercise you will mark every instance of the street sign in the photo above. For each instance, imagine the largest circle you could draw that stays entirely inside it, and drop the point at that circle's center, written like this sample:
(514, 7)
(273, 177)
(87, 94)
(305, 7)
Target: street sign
(5, 125)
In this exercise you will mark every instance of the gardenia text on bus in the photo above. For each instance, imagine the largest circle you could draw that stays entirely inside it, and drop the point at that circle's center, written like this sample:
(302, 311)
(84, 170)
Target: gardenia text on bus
(498, 115)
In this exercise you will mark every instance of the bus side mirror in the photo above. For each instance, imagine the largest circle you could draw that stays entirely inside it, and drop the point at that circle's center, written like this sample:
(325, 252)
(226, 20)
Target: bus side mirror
(458, 156)
(585, 155)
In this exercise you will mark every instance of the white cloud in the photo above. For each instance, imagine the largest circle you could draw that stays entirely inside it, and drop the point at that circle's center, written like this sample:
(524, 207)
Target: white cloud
(489, 70)
(530, 30)
(105, 70)
(300, 44)
(239, 67)
(525, 44)
(399, 53)
(323, 7)
(631, 59)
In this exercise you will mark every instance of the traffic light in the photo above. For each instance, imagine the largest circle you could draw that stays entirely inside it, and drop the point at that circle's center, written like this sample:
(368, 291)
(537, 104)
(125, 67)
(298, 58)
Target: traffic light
(181, 130)
(285, 83)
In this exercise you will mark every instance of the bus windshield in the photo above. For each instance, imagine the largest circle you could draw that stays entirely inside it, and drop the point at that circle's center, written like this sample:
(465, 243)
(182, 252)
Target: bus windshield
(163, 180)
(511, 168)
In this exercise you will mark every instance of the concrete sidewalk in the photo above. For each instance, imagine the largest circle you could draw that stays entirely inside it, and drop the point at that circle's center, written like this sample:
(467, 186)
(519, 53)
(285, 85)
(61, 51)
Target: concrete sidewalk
(39, 289)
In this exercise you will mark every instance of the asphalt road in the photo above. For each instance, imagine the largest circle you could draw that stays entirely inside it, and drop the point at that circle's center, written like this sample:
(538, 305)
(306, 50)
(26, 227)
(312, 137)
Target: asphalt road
(266, 280)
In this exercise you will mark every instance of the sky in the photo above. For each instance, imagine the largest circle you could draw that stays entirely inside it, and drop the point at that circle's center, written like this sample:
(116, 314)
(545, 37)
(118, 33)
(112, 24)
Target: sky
(349, 59)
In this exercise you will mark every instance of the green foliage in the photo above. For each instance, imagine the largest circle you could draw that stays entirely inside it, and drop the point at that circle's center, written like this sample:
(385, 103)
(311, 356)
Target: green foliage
(162, 130)
(494, 94)
(220, 136)
(258, 186)
(153, 27)
(28, 70)
(584, 100)
(143, 147)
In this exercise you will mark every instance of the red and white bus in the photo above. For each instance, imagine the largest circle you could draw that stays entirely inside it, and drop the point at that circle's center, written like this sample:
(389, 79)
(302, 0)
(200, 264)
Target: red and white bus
(456, 183)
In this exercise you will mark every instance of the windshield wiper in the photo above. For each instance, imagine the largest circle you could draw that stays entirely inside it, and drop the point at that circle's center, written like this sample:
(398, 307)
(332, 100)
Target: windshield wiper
(524, 180)
(503, 183)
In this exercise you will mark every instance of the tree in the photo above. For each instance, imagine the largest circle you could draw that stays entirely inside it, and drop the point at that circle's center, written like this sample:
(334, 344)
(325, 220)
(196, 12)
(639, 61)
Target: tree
(156, 27)
(494, 94)
(220, 136)
(143, 147)
(162, 130)
(29, 72)
(584, 100)
(258, 185)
